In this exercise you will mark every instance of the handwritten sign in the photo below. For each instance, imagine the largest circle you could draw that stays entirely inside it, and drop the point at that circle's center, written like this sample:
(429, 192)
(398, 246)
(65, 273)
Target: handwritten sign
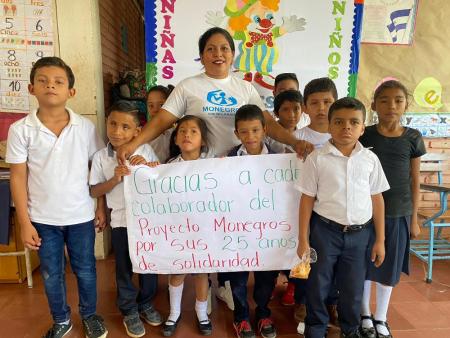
(227, 214)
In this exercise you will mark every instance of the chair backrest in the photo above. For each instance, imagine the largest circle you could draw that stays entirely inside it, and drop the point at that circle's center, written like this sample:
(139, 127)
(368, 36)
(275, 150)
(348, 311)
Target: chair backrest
(435, 162)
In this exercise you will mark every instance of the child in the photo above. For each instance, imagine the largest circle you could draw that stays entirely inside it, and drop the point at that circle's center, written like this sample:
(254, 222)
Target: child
(49, 151)
(319, 94)
(289, 81)
(106, 178)
(341, 189)
(399, 149)
(250, 129)
(287, 107)
(188, 142)
(156, 96)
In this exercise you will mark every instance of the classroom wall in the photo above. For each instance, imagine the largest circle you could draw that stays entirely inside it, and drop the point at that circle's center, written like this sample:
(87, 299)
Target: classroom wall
(427, 56)
(115, 15)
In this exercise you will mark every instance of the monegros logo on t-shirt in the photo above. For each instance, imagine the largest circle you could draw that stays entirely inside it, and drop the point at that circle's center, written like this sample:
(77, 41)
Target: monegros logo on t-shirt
(223, 105)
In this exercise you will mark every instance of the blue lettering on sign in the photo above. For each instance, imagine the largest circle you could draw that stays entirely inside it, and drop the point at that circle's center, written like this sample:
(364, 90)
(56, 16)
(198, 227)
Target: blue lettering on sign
(220, 98)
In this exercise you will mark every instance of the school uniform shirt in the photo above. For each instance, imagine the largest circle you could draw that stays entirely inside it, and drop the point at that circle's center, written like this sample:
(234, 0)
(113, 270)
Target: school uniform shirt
(58, 167)
(312, 136)
(242, 151)
(216, 102)
(305, 134)
(179, 158)
(342, 185)
(103, 165)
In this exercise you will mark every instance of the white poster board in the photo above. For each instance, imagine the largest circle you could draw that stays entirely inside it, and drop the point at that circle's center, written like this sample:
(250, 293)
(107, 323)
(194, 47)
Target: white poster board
(222, 214)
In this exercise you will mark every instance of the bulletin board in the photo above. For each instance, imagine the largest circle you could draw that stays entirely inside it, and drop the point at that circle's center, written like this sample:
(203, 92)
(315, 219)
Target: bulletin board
(26, 34)
(310, 38)
(423, 67)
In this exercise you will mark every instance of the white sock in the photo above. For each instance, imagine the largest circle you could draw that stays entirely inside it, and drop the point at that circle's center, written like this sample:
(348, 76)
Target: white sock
(175, 293)
(365, 305)
(383, 297)
(65, 323)
(201, 309)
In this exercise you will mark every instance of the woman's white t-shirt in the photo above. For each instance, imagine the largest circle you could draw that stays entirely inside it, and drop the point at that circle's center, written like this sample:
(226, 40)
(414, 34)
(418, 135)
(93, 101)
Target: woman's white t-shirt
(216, 102)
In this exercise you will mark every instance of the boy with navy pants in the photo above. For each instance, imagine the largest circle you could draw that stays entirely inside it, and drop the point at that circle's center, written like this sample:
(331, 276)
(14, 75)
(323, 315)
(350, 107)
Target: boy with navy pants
(250, 130)
(106, 178)
(341, 190)
(49, 151)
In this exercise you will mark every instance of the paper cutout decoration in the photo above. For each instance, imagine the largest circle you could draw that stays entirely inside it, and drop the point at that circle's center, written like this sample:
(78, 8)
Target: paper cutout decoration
(428, 93)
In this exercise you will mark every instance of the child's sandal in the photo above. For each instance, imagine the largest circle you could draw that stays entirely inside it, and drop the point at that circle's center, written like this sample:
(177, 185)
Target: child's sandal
(380, 335)
(367, 332)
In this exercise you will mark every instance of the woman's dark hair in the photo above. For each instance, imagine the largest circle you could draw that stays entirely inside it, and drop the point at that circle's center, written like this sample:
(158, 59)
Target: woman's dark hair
(162, 89)
(174, 150)
(389, 85)
(210, 32)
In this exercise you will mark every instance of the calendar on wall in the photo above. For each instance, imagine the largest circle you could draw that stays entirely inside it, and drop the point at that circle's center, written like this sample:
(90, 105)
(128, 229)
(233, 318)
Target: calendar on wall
(26, 35)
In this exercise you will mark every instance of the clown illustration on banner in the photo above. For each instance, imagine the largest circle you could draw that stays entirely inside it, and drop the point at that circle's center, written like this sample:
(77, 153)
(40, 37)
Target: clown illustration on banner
(309, 38)
(255, 25)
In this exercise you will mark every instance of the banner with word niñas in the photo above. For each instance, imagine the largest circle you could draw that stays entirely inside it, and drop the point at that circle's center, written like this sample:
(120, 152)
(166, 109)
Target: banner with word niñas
(210, 215)
(310, 38)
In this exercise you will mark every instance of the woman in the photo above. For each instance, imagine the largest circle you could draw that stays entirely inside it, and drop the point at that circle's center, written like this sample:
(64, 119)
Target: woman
(214, 96)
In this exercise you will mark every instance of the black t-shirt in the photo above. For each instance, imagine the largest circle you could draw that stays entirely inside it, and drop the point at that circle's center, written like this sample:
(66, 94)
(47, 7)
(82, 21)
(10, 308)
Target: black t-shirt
(395, 154)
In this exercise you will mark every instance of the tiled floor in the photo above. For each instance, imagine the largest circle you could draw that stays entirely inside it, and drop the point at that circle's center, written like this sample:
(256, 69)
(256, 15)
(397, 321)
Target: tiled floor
(417, 309)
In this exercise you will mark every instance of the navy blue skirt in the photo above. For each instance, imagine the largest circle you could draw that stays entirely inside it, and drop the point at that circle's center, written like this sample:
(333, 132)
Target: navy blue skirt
(396, 260)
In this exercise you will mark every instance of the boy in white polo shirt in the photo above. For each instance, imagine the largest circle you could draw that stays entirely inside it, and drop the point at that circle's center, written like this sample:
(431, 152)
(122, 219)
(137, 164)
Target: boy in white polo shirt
(106, 177)
(341, 189)
(49, 152)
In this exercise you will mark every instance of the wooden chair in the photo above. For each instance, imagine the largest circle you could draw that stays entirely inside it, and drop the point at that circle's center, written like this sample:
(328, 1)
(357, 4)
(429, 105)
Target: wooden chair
(435, 247)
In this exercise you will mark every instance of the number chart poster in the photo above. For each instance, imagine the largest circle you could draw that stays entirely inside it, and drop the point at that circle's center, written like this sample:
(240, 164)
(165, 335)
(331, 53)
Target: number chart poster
(220, 214)
(310, 38)
(26, 35)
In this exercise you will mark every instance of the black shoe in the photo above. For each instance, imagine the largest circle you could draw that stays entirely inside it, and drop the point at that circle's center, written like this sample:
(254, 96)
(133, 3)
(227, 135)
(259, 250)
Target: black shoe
(367, 332)
(94, 327)
(355, 334)
(170, 326)
(58, 330)
(380, 322)
(205, 327)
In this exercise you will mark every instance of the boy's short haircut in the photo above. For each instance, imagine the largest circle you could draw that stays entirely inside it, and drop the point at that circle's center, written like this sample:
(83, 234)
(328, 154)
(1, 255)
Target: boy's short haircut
(285, 76)
(249, 112)
(347, 103)
(287, 95)
(125, 107)
(320, 85)
(53, 61)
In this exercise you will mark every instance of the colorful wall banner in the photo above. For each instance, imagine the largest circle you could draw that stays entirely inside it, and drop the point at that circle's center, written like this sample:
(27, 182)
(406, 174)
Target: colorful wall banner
(220, 214)
(310, 38)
